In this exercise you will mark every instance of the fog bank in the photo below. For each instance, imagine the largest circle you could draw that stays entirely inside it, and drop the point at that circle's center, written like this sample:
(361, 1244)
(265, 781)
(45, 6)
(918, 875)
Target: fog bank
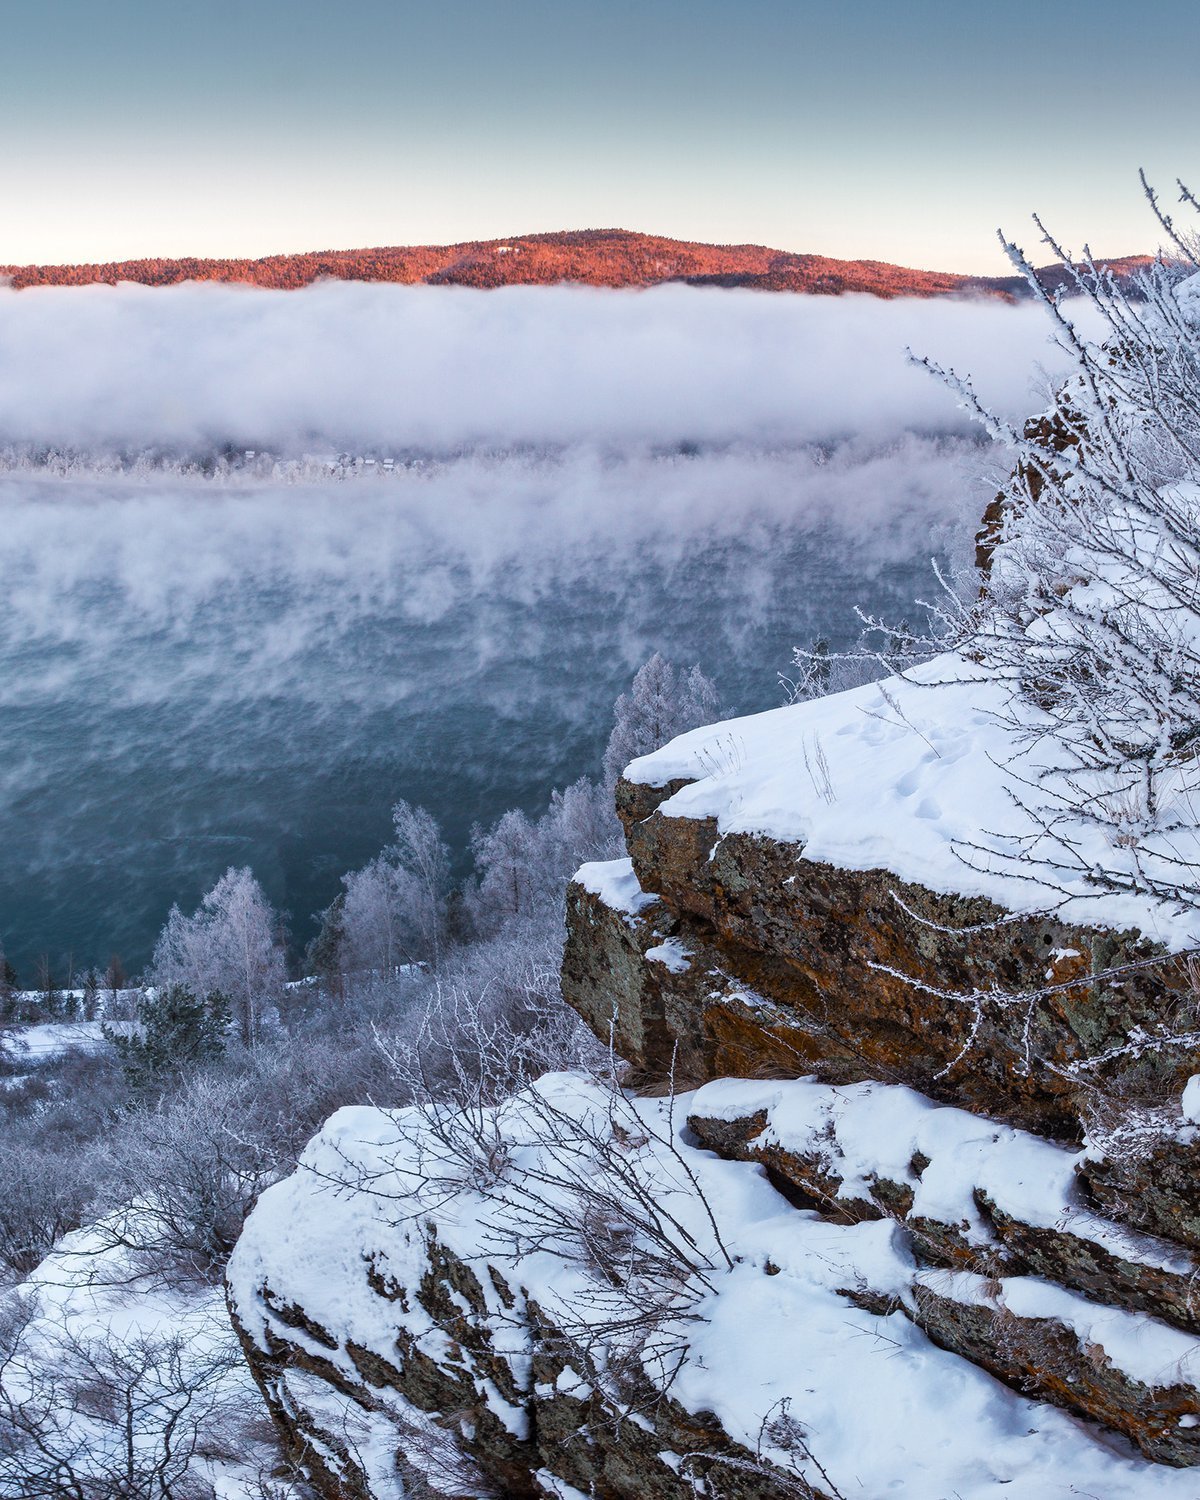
(441, 368)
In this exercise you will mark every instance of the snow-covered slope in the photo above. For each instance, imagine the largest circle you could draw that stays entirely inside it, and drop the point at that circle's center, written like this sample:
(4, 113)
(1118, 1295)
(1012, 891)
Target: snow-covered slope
(112, 1383)
(921, 775)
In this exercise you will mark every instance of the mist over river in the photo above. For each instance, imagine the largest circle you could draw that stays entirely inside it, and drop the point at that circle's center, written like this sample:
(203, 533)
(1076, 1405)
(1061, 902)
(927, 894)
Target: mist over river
(250, 666)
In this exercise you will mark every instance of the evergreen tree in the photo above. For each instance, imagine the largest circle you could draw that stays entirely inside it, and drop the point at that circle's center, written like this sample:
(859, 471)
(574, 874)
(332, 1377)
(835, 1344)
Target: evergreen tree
(323, 956)
(178, 1033)
(8, 990)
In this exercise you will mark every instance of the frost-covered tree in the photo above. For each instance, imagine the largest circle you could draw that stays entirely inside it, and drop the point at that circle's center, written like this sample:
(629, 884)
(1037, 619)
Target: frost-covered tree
(1090, 608)
(375, 934)
(394, 909)
(229, 945)
(663, 701)
(507, 862)
(581, 824)
(522, 867)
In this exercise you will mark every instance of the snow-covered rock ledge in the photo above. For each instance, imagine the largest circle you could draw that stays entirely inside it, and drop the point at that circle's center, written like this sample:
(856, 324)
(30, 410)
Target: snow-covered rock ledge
(397, 1314)
(845, 876)
(926, 776)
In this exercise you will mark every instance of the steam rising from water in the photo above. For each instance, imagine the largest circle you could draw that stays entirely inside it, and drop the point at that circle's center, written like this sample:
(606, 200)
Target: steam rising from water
(197, 672)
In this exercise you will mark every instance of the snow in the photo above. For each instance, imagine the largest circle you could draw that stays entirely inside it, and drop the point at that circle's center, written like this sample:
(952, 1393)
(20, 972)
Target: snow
(52, 1039)
(672, 954)
(867, 1131)
(559, 1487)
(1191, 1099)
(923, 772)
(616, 885)
(86, 1293)
(883, 1409)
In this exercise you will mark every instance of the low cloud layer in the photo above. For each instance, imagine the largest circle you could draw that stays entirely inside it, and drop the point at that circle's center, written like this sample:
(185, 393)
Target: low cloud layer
(439, 368)
(195, 674)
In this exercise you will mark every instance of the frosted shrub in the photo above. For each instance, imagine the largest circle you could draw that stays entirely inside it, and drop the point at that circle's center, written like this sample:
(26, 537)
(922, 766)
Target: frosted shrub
(1090, 610)
(107, 1418)
(181, 1178)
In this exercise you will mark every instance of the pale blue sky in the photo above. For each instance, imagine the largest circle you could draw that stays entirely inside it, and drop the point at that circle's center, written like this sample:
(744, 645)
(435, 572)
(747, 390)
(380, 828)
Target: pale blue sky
(903, 131)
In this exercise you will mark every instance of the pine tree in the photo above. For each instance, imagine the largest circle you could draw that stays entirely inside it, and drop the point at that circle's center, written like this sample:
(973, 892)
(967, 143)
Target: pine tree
(178, 1033)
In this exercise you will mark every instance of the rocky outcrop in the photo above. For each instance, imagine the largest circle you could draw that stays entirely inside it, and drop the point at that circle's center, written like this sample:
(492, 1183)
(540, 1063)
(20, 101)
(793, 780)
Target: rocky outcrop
(1009, 1261)
(917, 1122)
(723, 954)
(431, 1402)
(858, 974)
(399, 1334)
(1069, 1244)
(971, 1316)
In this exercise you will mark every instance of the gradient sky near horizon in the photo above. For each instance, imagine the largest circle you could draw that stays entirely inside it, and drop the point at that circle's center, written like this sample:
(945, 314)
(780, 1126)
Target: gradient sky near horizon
(904, 131)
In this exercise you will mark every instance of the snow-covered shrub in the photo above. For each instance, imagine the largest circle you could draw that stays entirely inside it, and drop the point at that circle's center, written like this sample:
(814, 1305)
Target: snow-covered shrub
(493, 1020)
(104, 1416)
(46, 1193)
(1090, 609)
(567, 1168)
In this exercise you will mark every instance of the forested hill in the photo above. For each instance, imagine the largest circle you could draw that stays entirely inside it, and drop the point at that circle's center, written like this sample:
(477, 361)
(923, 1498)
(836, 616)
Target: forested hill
(593, 257)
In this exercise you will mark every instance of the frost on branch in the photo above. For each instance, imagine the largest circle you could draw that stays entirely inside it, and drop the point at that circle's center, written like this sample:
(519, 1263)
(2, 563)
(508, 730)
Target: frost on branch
(1090, 607)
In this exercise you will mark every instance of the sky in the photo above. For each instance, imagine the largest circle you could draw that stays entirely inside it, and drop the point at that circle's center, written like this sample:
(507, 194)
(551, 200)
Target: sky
(905, 131)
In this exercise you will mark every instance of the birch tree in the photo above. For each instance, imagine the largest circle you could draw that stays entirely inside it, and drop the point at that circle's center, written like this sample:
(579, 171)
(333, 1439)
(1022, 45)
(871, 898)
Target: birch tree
(662, 702)
(230, 945)
(394, 912)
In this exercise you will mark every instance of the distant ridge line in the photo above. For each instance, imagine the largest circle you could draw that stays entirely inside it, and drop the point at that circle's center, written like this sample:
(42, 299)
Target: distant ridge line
(589, 257)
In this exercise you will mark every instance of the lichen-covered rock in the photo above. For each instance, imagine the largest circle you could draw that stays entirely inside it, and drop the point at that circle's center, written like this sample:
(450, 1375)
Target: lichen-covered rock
(971, 1315)
(434, 1420)
(653, 982)
(856, 974)
(1151, 1181)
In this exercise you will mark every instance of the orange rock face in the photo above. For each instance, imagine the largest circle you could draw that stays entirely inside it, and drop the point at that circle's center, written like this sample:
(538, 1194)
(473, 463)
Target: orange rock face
(798, 966)
(782, 966)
